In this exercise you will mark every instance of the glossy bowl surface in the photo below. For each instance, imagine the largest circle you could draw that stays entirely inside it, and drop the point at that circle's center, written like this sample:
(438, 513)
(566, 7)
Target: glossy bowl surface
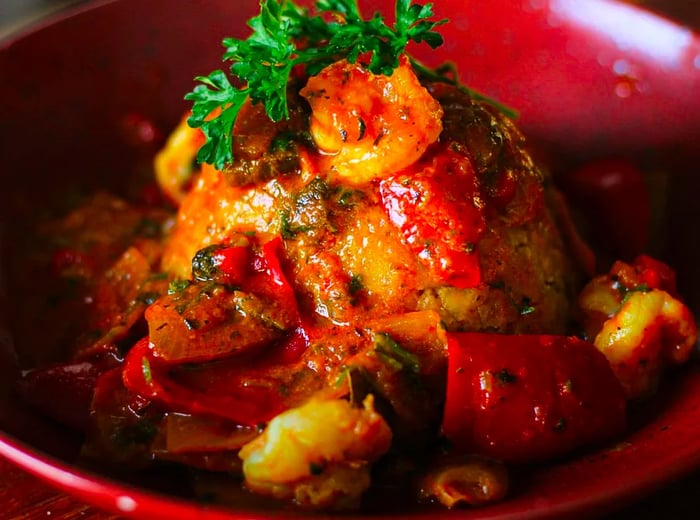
(589, 78)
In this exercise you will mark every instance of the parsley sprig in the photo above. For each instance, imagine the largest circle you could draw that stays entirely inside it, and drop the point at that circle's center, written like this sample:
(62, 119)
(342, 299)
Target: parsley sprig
(285, 35)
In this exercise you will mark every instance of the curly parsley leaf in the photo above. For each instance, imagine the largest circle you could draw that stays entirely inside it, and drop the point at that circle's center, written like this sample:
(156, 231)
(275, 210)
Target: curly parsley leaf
(215, 93)
(285, 35)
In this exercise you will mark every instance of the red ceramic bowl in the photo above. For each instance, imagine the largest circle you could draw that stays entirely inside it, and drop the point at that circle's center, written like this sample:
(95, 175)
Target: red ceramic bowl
(590, 78)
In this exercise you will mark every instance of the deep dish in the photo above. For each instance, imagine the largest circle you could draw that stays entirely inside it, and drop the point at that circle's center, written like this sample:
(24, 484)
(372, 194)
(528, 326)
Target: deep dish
(525, 309)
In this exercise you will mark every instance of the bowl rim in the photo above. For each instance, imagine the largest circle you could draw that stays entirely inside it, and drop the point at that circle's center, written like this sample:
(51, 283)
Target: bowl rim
(128, 500)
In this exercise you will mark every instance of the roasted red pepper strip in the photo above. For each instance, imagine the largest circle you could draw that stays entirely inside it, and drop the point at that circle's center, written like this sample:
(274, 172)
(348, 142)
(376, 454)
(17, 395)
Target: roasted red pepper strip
(149, 377)
(440, 216)
(526, 398)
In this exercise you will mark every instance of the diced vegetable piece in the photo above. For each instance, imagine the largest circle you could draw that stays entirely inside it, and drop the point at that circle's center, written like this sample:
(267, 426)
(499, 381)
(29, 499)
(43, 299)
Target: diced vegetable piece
(212, 318)
(529, 398)
(202, 324)
(247, 394)
(439, 213)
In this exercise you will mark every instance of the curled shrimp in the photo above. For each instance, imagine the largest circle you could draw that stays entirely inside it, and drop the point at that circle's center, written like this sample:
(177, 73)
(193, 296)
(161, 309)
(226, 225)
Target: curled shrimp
(371, 125)
(640, 328)
(319, 454)
(175, 165)
(650, 330)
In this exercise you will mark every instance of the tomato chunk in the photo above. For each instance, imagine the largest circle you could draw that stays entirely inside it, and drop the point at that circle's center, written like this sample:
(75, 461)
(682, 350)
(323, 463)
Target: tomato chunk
(527, 398)
(440, 217)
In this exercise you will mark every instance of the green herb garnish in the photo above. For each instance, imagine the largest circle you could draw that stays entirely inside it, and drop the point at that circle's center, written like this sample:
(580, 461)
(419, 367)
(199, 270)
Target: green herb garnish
(284, 36)
(393, 353)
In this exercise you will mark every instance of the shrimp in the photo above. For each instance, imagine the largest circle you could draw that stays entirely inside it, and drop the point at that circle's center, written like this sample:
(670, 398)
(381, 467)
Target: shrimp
(319, 454)
(640, 328)
(371, 125)
(175, 165)
(649, 331)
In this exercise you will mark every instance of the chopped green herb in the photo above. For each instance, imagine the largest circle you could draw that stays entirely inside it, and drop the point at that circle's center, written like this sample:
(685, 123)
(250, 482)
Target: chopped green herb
(343, 376)
(627, 293)
(177, 286)
(347, 198)
(289, 230)
(285, 141)
(146, 370)
(205, 266)
(560, 426)
(316, 468)
(526, 306)
(316, 191)
(390, 351)
(505, 377)
(356, 284)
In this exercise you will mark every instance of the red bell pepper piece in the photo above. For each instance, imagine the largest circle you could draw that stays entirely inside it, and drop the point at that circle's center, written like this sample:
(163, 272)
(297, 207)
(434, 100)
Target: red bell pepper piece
(440, 216)
(527, 398)
(149, 377)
